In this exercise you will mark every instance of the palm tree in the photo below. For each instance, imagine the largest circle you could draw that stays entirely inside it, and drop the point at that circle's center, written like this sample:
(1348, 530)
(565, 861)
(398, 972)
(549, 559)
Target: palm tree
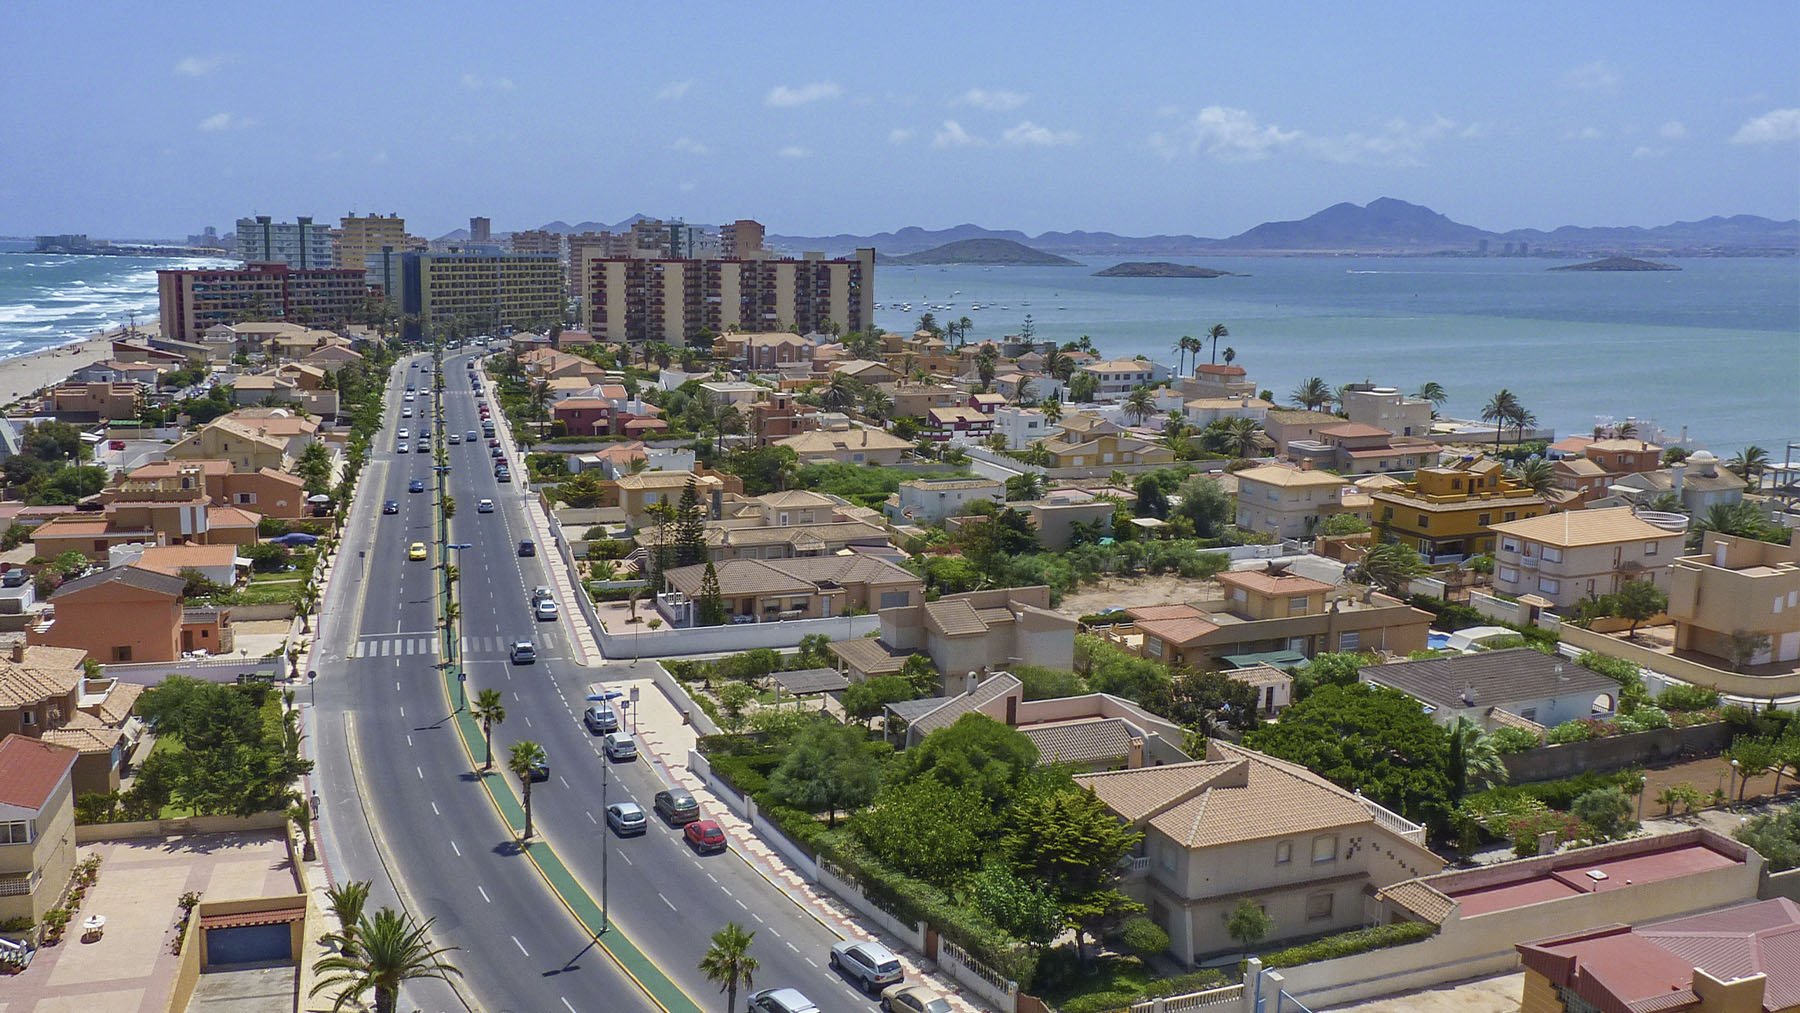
(962, 330)
(1052, 409)
(1058, 364)
(1523, 418)
(1500, 409)
(1391, 566)
(1537, 474)
(1434, 392)
(1215, 332)
(346, 901)
(841, 392)
(726, 421)
(729, 963)
(1140, 404)
(1229, 355)
(1473, 761)
(1740, 519)
(1241, 436)
(1749, 463)
(1185, 345)
(391, 951)
(524, 757)
(490, 710)
(876, 404)
(1312, 394)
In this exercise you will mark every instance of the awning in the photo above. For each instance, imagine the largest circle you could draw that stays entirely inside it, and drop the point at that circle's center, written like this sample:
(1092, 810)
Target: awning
(1287, 661)
(809, 681)
(245, 919)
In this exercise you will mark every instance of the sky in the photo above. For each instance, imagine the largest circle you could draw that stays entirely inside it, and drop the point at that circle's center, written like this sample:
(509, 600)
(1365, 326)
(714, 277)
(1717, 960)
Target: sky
(133, 120)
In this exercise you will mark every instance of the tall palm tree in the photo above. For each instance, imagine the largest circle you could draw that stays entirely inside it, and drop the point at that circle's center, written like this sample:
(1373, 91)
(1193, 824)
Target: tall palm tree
(1241, 435)
(1523, 418)
(1391, 566)
(1140, 404)
(391, 951)
(1215, 332)
(1312, 394)
(1058, 364)
(1434, 392)
(876, 404)
(1749, 463)
(1537, 474)
(962, 330)
(346, 901)
(1473, 761)
(1052, 409)
(521, 759)
(726, 421)
(1229, 355)
(490, 710)
(729, 963)
(1740, 519)
(840, 393)
(1500, 410)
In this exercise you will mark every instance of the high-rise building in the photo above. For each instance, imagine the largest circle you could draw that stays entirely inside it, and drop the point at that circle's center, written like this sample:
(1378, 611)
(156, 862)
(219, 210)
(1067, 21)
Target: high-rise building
(359, 236)
(298, 244)
(480, 292)
(537, 241)
(383, 272)
(480, 230)
(193, 300)
(741, 240)
(583, 245)
(639, 299)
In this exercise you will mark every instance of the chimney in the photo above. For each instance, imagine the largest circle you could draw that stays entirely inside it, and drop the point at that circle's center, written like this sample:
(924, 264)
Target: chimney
(18, 652)
(970, 681)
(1677, 477)
(1134, 753)
(1244, 402)
(718, 503)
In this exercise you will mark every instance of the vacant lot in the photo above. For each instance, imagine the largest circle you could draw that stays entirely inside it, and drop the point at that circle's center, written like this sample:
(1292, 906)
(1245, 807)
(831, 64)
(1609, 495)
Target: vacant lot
(1126, 592)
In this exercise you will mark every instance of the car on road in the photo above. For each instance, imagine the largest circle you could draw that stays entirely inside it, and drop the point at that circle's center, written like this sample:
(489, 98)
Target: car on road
(540, 771)
(410, 397)
(523, 653)
(471, 436)
(527, 547)
(503, 474)
(416, 551)
(485, 506)
(704, 836)
(496, 452)
(540, 592)
(455, 438)
(410, 388)
(422, 447)
(619, 746)
(406, 412)
(416, 485)
(545, 610)
(870, 965)
(626, 819)
(391, 506)
(401, 448)
(677, 806)
(494, 444)
(600, 718)
(781, 1000)
(403, 434)
(912, 999)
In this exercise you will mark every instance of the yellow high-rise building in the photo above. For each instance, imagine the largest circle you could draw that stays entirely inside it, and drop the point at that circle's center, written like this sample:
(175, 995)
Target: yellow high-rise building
(360, 236)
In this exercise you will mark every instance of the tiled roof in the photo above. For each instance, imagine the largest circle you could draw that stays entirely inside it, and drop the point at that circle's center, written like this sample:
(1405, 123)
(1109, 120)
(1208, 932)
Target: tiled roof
(1270, 474)
(1265, 582)
(1631, 446)
(955, 618)
(231, 517)
(1177, 630)
(130, 576)
(86, 733)
(795, 498)
(1287, 417)
(1719, 481)
(30, 770)
(1135, 794)
(665, 480)
(1420, 899)
(870, 656)
(174, 558)
(1491, 677)
(1573, 528)
(821, 441)
(1581, 467)
(120, 701)
(45, 672)
(954, 707)
(1080, 742)
(740, 577)
(1353, 430)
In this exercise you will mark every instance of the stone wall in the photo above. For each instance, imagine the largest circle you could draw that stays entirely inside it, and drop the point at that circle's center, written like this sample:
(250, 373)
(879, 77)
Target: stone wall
(1548, 763)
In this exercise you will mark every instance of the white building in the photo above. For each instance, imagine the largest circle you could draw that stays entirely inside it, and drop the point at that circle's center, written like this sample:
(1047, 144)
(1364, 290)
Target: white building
(298, 244)
(1021, 426)
(1387, 408)
(1119, 377)
(926, 501)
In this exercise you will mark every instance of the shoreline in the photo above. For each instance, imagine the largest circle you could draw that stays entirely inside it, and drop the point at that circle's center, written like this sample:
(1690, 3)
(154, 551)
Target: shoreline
(25, 375)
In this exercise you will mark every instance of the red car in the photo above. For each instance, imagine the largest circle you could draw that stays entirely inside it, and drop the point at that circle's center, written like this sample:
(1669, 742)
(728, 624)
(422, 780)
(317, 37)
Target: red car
(704, 836)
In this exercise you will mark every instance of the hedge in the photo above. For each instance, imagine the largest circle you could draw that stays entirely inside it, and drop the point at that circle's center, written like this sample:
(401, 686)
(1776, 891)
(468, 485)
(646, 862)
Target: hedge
(1349, 944)
(1555, 794)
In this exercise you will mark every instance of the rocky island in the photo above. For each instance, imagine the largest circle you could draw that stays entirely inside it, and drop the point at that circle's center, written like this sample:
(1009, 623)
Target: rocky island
(1618, 264)
(1159, 269)
(982, 251)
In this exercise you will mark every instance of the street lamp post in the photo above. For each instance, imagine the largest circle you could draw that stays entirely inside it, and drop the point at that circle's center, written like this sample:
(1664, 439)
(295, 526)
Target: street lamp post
(462, 690)
(1643, 789)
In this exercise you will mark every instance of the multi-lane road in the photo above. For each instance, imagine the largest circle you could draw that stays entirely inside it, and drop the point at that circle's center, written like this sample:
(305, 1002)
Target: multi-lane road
(400, 806)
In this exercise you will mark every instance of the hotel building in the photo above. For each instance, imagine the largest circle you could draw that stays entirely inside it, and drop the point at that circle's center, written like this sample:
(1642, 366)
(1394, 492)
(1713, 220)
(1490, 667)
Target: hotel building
(297, 244)
(362, 236)
(486, 290)
(640, 300)
(193, 300)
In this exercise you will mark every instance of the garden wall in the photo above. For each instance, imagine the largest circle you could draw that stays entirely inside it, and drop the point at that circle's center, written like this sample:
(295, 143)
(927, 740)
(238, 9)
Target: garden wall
(1745, 687)
(1616, 752)
(667, 642)
(88, 833)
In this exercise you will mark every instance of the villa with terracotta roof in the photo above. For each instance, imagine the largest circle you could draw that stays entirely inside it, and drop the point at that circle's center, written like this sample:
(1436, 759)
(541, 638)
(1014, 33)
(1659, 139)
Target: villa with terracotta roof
(1576, 555)
(976, 630)
(1238, 824)
(856, 445)
(130, 615)
(814, 587)
(37, 825)
(1288, 502)
(45, 694)
(1447, 512)
(1355, 448)
(164, 505)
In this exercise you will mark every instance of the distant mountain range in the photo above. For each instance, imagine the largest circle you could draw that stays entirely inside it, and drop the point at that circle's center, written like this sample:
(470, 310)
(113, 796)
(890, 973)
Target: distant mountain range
(1381, 226)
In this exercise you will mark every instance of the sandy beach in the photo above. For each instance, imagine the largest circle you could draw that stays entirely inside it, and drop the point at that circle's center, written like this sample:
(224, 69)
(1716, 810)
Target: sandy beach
(28, 374)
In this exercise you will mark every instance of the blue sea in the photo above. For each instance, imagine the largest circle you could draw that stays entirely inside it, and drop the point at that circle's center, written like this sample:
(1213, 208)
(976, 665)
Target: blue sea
(1714, 347)
(48, 300)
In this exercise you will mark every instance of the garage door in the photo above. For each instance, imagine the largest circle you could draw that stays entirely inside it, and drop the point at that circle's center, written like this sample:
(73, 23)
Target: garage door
(249, 944)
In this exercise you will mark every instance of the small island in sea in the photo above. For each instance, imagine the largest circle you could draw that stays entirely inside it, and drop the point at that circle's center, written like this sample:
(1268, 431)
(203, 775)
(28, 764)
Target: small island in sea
(992, 252)
(1618, 264)
(1159, 269)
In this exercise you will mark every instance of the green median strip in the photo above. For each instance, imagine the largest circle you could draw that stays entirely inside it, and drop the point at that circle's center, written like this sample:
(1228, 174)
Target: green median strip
(648, 975)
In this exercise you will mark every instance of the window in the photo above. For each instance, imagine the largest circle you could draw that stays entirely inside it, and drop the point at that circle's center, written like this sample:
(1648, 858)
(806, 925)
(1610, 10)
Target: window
(1508, 574)
(1284, 852)
(1529, 713)
(1484, 519)
(1552, 554)
(28, 717)
(1324, 848)
(1649, 548)
(1506, 544)
(1297, 605)
(1153, 645)
(1424, 521)
(1512, 515)
(1318, 906)
(1549, 585)
(15, 832)
(1350, 640)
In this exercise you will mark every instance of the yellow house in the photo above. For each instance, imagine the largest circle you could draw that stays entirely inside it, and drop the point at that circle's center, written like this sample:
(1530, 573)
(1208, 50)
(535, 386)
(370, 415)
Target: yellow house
(1106, 451)
(1446, 512)
(225, 439)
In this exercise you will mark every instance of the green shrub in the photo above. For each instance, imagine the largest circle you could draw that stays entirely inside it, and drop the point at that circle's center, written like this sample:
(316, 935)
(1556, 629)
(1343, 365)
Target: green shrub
(1101, 1002)
(1555, 794)
(1682, 697)
(1617, 669)
(1514, 740)
(1570, 731)
(1347, 944)
(1645, 718)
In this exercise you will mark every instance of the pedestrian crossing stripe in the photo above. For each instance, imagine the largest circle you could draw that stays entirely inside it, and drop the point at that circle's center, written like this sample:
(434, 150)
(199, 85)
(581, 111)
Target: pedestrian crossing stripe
(393, 647)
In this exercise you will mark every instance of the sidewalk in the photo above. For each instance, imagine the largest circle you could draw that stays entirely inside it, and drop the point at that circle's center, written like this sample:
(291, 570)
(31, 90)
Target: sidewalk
(665, 741)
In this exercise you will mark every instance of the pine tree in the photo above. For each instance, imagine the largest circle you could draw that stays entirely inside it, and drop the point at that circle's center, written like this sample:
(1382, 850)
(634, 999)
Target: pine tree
(690, 528)
(711, 604)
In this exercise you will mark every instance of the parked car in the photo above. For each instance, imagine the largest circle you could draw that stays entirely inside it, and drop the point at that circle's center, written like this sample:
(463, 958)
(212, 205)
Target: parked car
(523, 653)
(391, 506)
(545, 610)
(485, 506)
(870, 965)
(416, 485)
(781, 1000)
(527, 547)
(503, 474)
(677, 806)
(626, 819)
(295, 539)
(704, 836)
(540, 592)
(496, 452)
(619, 746)
(912, 999)
(742, 620)
(600, 718)
(416, 551)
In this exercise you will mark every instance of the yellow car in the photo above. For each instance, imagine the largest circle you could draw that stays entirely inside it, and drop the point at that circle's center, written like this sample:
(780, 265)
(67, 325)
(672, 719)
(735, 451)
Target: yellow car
(417, 551)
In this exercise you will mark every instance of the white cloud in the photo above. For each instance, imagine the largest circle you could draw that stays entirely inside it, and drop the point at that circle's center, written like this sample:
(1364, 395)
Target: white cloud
(1032, 135)
(952, 135)
(226, 121)
(675, 91)
(994, 101)
(1646, 151)
(794, 151)
(1582, 134)
(1599, 77)
(689, 146)
(687, 185)
(1236, 135)
(199, 66)
(1674, 130)
(781, 96)
(474, 82)
(899, 135)
(1230, 135)
(1772, 127)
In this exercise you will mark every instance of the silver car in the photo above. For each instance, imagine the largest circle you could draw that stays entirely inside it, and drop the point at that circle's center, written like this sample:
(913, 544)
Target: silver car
(626, 819)
(781, 1000)
(871, 965)
(619, 746)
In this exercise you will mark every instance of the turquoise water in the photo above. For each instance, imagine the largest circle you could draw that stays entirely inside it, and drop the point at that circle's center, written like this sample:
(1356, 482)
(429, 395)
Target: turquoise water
(1714, 347)
(48, 300)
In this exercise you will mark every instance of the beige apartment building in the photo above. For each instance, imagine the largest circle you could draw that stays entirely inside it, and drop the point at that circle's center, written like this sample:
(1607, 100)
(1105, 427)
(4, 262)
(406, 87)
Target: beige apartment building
(1738, 588)
(489, 291)
(1577, 554)
(37, 825)
(1387, 408)
(536, 241)
(640, 300)
(1287, 502)
(741, 240)
(361, 236)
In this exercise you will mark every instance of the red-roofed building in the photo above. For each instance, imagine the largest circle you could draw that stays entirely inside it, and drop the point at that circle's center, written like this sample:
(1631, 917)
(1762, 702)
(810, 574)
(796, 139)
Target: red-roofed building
(37, 825)
(1355, 448)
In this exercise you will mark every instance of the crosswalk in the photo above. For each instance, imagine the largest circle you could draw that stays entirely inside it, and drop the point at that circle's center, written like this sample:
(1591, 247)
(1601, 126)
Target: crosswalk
(477, 646)
(394, 647)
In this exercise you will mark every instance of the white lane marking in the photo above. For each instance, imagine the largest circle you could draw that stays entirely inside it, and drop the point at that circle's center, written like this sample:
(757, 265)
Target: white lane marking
(665, 900)
(756, 916)
(741, 904)
(564, 780)
(483, 893)
(403, 712)
(712, 877)
(421, 772)
(627, 858)
(566, 1005)
(409, 740)
(521, 946)
(796, 949)
(808, 959)
(456, 849)
(528, 722)
(591, 818)
(434, 810)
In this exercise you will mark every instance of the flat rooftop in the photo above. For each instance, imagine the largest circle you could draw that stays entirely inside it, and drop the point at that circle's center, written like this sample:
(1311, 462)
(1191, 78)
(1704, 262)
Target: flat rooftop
(1572, 880)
